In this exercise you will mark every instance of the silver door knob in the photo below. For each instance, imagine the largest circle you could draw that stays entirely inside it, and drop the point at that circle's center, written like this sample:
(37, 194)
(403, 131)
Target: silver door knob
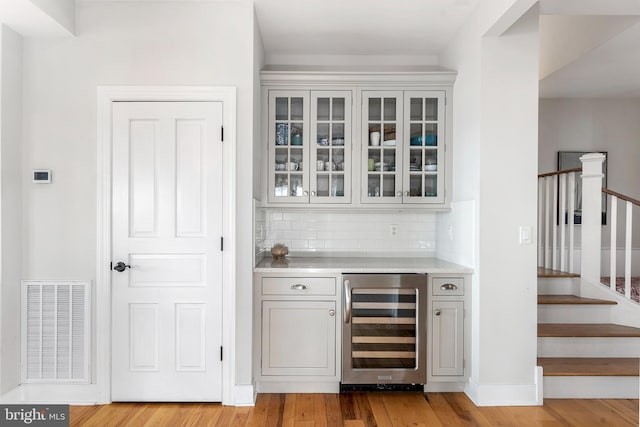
(406, 193)
(313, 194)
(306, 193)
(332, 313)
(437, 312)
(399, 194)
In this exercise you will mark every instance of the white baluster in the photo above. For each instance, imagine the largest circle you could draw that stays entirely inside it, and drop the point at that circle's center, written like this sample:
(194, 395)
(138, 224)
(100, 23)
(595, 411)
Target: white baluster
(563, 213)
(570, 220)
(541, 211)
(614, 243)
(627, 252)
(554, 226)
(547, 222)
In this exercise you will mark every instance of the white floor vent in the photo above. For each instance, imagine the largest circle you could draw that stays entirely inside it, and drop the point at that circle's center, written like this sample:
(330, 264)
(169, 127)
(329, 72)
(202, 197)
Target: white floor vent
(56, 321)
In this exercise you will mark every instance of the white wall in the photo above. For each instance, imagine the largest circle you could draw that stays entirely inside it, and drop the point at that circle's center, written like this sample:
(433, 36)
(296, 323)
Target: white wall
(124, 43)
(11, 175)
(495, 165)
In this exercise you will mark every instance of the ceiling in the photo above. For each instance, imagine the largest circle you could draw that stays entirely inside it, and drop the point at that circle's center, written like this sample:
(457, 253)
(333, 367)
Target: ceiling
(360, 27)
(607, 68)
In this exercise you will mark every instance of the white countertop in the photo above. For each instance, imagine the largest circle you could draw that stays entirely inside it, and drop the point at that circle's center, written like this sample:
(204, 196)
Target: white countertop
(359, 265)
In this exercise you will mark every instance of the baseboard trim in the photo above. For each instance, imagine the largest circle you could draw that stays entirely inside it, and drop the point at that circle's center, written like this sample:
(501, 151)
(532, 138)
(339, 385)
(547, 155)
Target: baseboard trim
(245, 395)
(592, 387)
(444, 387)
(504, 394)
(67, 394)
(297, 387)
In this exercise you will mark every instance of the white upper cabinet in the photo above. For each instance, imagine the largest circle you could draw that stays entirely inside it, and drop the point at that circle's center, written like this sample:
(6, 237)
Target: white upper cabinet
(288, 141)
(357, 139)
(330, 147)
(424, 141)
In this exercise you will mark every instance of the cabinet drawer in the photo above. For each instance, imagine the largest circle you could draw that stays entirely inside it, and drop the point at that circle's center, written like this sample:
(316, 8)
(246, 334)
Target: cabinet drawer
(299, 286)
(443, 286)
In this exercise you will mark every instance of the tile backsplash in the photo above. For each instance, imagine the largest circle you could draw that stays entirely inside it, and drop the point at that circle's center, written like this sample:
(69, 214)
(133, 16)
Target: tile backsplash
(321, 231)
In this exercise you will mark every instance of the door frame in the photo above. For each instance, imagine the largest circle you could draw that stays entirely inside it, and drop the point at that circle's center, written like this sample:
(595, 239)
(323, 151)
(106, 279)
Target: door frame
(101, 343)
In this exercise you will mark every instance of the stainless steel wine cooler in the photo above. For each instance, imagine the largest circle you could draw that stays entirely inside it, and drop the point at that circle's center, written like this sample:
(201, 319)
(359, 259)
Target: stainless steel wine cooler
(384, 329)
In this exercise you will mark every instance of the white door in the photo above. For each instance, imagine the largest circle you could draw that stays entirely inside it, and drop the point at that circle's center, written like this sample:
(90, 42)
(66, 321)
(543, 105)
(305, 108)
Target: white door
(167, 228)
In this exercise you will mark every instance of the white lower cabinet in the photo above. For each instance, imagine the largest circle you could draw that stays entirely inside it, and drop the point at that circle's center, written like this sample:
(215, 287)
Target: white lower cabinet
(447, 338)
(447, 332)
(296, 333)
(298, 338)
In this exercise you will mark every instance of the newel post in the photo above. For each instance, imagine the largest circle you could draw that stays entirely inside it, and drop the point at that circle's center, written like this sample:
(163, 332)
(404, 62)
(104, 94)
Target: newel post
(591, 216)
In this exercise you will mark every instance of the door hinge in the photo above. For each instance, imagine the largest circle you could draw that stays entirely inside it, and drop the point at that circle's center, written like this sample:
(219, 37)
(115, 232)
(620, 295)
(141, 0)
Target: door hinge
(221, 244)
(221, 353)
(222, 133)
(111, 266)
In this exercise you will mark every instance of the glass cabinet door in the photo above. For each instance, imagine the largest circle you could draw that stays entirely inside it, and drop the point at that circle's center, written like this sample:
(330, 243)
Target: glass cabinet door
(381, 147)
(330, 147)
(423, 161)
(288, 141)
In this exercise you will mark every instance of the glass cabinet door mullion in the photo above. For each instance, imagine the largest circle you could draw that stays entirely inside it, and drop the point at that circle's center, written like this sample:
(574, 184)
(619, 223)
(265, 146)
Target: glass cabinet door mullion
(330, 182)
(424, 143)
(288, 119)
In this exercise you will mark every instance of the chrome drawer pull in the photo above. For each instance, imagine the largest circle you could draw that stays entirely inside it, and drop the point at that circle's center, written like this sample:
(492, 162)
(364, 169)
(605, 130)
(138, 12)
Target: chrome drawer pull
(448, 287)
(298, 287)
(437, 312)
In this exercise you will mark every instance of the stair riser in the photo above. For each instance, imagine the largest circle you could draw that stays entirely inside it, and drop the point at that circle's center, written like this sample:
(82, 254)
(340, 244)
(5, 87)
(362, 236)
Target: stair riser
(567, 313)
(558, 286)
(591, 387)
(588, 347)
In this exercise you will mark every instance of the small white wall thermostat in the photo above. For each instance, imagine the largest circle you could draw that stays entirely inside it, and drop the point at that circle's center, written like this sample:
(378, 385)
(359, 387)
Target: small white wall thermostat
(41, 176)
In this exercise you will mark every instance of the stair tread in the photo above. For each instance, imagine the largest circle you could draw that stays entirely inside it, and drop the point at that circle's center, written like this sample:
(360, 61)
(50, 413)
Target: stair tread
(571, 299)
(586, 330)
(590, 366)
(546, 272)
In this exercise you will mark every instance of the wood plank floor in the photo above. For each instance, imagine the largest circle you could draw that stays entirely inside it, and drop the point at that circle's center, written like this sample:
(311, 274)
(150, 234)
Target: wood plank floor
(362, 410)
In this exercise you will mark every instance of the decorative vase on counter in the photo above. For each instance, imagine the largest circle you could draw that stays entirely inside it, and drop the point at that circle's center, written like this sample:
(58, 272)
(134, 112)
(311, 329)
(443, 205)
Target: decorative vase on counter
(279, 251)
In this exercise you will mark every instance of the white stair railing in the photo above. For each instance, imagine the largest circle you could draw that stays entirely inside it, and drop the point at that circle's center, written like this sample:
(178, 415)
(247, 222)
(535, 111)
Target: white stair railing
(558, 211)
(614, 199)
(556, 220)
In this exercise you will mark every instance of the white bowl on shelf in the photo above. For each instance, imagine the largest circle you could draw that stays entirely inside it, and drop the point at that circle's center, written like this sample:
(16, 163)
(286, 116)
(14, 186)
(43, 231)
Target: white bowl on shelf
(431, 168)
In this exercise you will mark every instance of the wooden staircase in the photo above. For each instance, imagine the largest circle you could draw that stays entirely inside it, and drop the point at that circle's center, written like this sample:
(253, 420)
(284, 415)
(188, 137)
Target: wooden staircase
(582, 354)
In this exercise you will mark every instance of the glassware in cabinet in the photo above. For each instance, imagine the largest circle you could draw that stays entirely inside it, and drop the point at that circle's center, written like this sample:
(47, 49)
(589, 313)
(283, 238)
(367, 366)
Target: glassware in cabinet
(424, 147)
(381, 153)
(288, 146)
(330, 147)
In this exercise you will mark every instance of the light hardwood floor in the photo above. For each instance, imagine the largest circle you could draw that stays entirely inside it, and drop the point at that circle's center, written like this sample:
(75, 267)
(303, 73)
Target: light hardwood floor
(363, 409)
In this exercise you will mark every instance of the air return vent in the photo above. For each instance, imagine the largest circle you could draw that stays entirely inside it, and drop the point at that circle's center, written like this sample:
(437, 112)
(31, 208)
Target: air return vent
(55, 331)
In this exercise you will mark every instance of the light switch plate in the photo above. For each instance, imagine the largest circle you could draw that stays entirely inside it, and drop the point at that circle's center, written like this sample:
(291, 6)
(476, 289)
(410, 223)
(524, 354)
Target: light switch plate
(525, 234)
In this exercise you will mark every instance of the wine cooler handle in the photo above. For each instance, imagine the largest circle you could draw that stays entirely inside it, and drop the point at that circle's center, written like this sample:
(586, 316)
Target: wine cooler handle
(347, 301)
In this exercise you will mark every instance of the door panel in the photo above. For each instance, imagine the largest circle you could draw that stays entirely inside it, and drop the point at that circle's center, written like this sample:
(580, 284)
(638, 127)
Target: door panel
(167, 225)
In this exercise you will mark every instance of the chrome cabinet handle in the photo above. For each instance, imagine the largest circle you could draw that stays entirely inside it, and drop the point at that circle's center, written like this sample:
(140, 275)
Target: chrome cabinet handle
(406, 193)
(313, 193)
(437, 312)
(448, 287)
(298, 287)
(332, 313)
(399, 194)
(306, 193)
(347, 301)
